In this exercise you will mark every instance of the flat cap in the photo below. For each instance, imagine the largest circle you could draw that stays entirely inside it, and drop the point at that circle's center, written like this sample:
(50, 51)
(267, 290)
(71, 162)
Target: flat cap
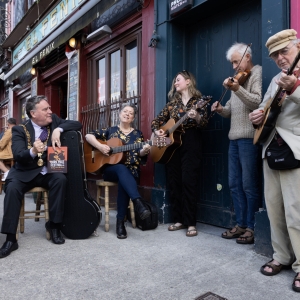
(280, 40)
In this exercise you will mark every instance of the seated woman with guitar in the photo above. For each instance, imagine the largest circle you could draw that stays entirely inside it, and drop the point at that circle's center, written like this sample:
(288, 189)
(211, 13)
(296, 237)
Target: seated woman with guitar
(126, 173)
(183, 167)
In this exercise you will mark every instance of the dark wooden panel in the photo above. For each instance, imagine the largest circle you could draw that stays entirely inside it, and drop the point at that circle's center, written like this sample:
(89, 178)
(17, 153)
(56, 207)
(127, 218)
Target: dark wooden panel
(208, 41)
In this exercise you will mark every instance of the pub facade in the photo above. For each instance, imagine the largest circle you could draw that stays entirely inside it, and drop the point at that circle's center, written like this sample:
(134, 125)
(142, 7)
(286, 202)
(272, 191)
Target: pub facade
(88, 57)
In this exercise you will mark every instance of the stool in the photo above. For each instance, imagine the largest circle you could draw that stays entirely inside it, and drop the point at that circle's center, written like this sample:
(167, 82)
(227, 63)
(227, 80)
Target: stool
(106, 185)
(36, 212)
(9, 162)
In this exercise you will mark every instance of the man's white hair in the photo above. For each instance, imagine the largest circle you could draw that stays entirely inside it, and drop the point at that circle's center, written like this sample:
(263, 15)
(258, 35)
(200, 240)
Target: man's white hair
(238, 47)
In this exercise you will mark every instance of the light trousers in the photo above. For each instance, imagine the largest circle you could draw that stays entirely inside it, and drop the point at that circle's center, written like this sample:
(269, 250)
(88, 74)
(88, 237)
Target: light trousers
(282, 195)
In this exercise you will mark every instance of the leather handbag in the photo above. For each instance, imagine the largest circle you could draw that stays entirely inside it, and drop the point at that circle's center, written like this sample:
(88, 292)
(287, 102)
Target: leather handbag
(280, 156)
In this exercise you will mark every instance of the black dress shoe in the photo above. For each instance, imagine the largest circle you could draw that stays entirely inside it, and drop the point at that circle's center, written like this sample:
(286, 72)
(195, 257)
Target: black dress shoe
(141, 209)
(121, 230)
(7, 248)
(55, 234)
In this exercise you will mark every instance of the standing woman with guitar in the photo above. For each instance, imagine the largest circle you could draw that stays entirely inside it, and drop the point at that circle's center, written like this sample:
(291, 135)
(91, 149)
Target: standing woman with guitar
(282, 185)
(127, 173)
(183, 168)
(243, 156)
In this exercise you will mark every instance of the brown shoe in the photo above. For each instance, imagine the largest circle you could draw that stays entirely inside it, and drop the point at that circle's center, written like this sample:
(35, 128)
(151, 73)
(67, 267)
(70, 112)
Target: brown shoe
(175, 227)
(275, 268)
(192, 232)
(246, 239)
(230, 234)
(296, 288)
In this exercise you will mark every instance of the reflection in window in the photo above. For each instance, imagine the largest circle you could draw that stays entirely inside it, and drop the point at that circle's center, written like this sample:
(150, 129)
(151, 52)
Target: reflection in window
(115, 76)
(101, 82)
(131, 69)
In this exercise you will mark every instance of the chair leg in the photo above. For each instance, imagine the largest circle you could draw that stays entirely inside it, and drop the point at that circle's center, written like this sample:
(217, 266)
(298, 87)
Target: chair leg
(38, 205)
(132, 214)
(46, 207)
(21, 220)
(18, 230)
(106, 206)
(98, 195)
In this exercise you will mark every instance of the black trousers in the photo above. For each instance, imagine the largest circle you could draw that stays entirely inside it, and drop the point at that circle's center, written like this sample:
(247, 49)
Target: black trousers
(183, 171)
(14, 193)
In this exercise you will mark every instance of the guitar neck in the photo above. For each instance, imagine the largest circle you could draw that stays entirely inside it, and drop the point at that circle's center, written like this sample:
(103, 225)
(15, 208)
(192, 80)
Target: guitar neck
(294, 64)
(280, 91)
(182, 119)
(129, 147)
(177, 124)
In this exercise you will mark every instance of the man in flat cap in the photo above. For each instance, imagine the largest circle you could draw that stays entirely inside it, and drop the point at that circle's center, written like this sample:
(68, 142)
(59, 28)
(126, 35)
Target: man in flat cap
(282, 187)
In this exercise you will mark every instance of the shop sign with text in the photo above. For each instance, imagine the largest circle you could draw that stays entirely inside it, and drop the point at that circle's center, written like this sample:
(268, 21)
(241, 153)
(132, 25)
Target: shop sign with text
(179, 6)
(46, 26)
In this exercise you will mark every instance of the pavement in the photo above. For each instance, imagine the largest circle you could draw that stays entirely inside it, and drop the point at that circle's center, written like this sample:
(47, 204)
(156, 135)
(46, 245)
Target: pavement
(155, 264)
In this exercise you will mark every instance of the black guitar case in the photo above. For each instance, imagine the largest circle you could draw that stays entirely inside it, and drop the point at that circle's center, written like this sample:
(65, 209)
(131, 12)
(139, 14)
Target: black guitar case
(82, 214)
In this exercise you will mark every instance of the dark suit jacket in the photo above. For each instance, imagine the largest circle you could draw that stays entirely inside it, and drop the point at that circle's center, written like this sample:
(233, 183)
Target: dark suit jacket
(25, 167)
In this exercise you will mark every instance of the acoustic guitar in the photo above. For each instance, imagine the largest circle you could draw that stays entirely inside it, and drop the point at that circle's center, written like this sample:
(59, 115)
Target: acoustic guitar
(173, 130)
(95, 159)
(272, 110)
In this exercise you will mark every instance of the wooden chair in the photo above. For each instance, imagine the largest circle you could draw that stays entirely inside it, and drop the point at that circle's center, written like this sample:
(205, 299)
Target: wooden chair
(9, 162)
(107, 184)
(34, 213)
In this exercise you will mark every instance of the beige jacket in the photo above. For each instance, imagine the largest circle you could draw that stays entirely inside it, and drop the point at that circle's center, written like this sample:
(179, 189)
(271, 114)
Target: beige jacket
(288, 122)
(5, 145)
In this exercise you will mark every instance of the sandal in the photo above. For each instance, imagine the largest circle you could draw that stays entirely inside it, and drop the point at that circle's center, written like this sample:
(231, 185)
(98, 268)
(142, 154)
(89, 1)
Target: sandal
(275, 268)
(246, 239)
(296, 288)
(192, 232)
(173, 227)
(229, 234)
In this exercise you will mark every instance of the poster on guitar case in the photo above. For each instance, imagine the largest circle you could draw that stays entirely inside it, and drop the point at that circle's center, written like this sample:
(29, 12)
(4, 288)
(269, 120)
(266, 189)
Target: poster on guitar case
(57, 160)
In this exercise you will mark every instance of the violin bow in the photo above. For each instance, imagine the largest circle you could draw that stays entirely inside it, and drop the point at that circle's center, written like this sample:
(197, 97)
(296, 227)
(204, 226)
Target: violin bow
(231, 78)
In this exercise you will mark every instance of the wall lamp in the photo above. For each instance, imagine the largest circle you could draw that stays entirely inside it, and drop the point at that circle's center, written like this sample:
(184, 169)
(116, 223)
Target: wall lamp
(99, 33)
(73, 42)
(33, 71)
(154, 40)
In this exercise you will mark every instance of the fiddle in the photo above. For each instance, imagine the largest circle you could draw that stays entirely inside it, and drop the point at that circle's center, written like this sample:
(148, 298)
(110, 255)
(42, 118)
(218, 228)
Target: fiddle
(241, 77)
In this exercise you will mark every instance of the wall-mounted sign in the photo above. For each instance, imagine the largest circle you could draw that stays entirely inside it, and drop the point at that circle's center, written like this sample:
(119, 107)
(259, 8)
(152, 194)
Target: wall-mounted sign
(73, 86)
(46, 26)
(34, 87)
(179, 6)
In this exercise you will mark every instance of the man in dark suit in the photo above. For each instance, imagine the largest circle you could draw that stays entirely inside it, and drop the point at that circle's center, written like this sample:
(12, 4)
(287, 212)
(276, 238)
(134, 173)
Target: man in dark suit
(29, 147)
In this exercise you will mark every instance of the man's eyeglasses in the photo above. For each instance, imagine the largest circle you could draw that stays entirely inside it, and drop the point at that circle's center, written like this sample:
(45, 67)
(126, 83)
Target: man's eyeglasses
(282, 52)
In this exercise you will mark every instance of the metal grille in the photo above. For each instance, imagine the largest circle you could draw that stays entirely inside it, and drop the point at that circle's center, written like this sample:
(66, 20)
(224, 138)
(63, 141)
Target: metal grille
(54, 57)
(95, 116)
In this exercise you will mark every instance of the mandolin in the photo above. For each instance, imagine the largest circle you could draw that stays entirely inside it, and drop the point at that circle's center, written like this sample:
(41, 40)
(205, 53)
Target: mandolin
(272, 110)
(174, 130)
(95, 159)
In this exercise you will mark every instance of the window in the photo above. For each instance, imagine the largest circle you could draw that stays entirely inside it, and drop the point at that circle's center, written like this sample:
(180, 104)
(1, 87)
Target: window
(113, 80)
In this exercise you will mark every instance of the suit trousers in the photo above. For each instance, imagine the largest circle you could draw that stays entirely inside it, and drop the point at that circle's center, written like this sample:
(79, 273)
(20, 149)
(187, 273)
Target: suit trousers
(183, 172)
(14, 193)
(282, 190)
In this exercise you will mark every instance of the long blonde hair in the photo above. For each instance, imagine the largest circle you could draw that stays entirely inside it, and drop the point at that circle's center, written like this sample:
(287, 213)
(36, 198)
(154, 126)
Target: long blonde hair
(173, 94)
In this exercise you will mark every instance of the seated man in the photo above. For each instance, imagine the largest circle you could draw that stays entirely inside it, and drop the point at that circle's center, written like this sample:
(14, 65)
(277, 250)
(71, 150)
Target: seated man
(29, 147)
(5, 147)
